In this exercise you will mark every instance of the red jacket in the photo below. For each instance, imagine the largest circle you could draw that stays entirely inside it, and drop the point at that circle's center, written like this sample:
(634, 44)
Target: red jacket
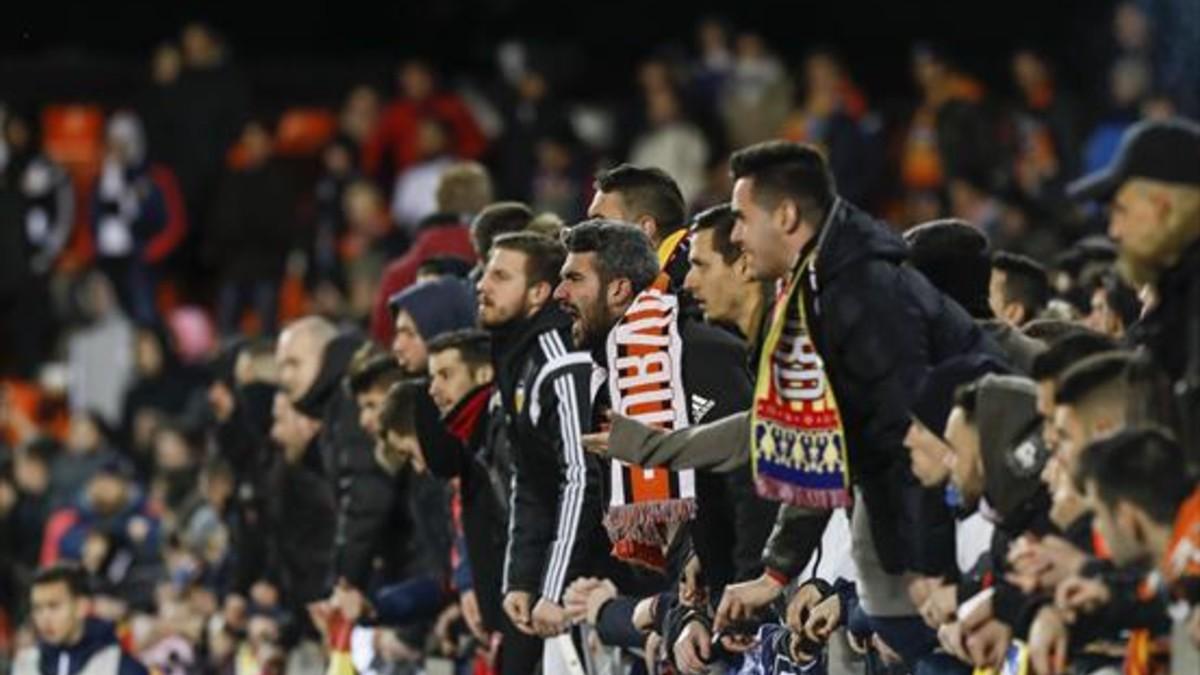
(396, 135)
(437, 237)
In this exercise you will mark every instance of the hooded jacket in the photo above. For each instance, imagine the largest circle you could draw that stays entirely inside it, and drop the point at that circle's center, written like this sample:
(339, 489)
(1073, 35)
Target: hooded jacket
(96, 653)
(437, 306)
(555, 508)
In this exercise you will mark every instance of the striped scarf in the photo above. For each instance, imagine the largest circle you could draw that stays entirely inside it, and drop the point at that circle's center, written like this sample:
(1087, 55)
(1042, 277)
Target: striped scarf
(798, 447)
(645, 382)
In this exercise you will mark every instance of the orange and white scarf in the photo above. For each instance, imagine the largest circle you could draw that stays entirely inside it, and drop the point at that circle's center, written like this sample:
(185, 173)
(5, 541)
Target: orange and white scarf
(645, 382)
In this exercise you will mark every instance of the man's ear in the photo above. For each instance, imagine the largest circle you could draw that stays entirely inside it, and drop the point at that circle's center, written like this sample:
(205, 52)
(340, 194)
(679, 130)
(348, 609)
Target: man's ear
(619, 292)
(648, 225)
(787, 215)
(1014, 313)
(741, 268)
(1129, 520)
(484, 374)
(538, 295)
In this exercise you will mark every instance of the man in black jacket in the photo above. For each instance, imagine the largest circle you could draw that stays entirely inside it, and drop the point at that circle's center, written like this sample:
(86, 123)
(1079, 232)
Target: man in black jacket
(313, 359)
(545, 386)
(469, 442)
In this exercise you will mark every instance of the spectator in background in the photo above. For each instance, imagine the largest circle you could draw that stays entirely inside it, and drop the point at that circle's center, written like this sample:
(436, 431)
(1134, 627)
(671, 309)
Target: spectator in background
(339, 163)
(830, 113)
(757, 95)
(213, 100)
(672, 143)
(714, 63)
(1018, 290)
(560, 182)
(1046, 126)
(70, 641)
(100, 353)
(163, 387)
(1129, 82)
(36, 216)
(250, 233)
(158, 105)
(359, 116)
(948, 134)
(137, 217)
(464, 190)
(531, 113)
(370, 240)
(415, 193)
(394, 146)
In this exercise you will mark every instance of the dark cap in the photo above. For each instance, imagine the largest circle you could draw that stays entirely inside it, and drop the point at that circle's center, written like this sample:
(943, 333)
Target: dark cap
(1167, 151)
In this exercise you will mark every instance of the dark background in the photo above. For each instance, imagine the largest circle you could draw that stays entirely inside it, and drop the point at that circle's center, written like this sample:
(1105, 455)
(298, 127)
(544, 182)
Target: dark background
(307, 51)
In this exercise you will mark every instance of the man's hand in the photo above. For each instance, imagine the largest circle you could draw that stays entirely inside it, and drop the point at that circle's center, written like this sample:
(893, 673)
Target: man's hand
(1078, 595)
(472, 616)
(693, 649)
(741, 601)
(651, 648)
(950, 636)
(940, 606)
(549, 619)
(517, 607)
(824, 619)
(1193, 626)
(1048, 637)
(600, 594)
(1044, 564)
(988, 644)
(644, 612)
(596, 443)
(800, 606)
(575, 598)
(691, 591)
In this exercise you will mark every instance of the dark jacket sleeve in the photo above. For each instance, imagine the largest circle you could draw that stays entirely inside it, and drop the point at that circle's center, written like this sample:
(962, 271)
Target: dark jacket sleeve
(529, 531)
(614, 624)
(566, 414)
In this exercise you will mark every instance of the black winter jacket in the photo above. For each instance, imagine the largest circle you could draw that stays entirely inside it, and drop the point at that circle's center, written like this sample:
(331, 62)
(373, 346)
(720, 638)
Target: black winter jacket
(555, 508)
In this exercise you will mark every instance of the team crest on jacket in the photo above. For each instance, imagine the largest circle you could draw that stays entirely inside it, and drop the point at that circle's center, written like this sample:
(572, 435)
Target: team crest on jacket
(519, 399)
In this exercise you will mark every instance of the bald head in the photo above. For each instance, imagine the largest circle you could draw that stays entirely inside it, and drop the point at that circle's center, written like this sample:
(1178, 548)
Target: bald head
(298, 354)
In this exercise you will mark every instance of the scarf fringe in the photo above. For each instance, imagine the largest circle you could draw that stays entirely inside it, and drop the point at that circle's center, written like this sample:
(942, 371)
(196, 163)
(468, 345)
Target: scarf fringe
(805, 497)
(646, 522)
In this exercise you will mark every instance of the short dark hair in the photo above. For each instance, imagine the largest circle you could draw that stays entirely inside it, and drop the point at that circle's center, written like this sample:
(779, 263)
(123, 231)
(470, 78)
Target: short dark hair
(474, 345)
(398, 414)
(1069, 350)
(1049, 330)
(69, 573)
(647, 190)
(953, 255)
(544, 256)
(720, 221)
(1025, 281)
(622, 251)
(1091, 375)
(497, 219)
(1122, 299)
(1145, 467)
(787, 170)
(446, 266)
(371, 368)
(967, 397)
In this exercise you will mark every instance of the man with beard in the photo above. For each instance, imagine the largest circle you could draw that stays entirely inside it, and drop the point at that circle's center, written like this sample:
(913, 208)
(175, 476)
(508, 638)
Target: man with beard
(545, 387)
(612, 288)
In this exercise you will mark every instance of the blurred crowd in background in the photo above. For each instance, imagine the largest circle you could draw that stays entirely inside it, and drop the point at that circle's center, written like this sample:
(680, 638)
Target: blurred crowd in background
(152, 251)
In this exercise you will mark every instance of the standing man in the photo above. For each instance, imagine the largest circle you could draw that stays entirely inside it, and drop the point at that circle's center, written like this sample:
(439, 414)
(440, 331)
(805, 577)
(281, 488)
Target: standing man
(546, 389)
